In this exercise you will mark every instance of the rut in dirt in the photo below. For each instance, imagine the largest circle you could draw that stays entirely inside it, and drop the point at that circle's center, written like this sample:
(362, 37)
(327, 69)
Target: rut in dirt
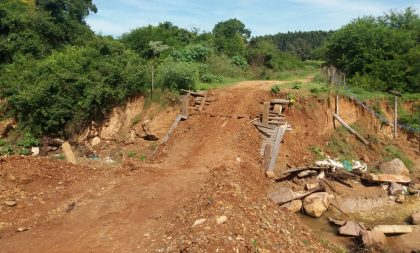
(126, 213)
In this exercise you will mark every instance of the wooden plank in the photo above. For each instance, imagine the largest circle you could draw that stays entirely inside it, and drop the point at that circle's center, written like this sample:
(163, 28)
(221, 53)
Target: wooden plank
(277, 145)
(393, 229)
(280, 101)
(359, 136)
(174, 125)
(386, 178)
(68, 153)
(203, 102)
(293, 170)
(185, 105)
(265, 113)
(266, 157)
(193, 93)
(259, 124)
(278, 108)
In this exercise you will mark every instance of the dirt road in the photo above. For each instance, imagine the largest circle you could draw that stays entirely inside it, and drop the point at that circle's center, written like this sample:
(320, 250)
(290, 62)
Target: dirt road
(125, 213)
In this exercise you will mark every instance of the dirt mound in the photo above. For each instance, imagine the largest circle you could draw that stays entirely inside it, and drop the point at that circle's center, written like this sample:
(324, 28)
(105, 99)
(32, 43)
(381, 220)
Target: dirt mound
(238, 191)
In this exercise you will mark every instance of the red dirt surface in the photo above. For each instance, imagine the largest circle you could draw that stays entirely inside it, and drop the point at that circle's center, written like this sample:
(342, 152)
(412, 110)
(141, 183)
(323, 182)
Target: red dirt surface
(209, 168)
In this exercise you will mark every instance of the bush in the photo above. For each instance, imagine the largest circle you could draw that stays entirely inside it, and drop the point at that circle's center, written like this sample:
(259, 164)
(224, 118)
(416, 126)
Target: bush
(28, 141)
(318, 90)
(179, 75)
(210, 78)
(65, 91)
(275, 89)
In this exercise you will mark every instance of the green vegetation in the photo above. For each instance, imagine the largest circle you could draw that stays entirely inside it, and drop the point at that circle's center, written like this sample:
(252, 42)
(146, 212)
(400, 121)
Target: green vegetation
(275, 89)
(131, 154)
(379, 54)
(392, 152)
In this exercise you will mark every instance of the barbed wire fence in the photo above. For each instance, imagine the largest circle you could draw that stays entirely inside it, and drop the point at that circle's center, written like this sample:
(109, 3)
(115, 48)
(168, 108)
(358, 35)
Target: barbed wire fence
(337, 80)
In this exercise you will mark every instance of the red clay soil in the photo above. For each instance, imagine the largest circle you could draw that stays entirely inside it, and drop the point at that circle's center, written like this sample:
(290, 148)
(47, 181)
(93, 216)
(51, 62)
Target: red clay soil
(209, 168)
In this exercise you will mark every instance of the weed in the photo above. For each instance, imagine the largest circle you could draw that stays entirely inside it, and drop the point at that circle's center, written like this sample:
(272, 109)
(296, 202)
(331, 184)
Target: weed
(317, 151)
(136, 119)
(318, 90)
(28, 141)
(296, 85)
(24, 151)
(2, 142)
(142, 157)
(306, 242)
(59, 157)
(131, 154)
(255, 246)
(275, 89)
(7, 150)
(154, 146)
(339, 147)
(392, 152)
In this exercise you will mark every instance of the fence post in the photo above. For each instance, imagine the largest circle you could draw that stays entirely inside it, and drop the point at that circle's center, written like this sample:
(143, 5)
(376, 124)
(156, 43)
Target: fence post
(395, 116)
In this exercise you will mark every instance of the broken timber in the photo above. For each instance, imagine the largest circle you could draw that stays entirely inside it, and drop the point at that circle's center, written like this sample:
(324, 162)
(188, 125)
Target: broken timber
(366, 142)
(276, 149)
(174, 125)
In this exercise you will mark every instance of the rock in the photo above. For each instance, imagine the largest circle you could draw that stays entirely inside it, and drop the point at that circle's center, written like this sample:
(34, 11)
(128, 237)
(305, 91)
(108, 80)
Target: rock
(221, 219)
(95, 141)
(68, 153)
(337, 221)
(393, 229)
(406, 243)
(35, 151)
(10, 203)
(311, 186)
(415, 218)
(282, 195)
(400, 199)
(374, 240)
(365, 158)
(394, 167)
(21, 229)
(316, 204)
(396, 189)
(306, 173)
(198, 222)
(294, 206)
(351, 228)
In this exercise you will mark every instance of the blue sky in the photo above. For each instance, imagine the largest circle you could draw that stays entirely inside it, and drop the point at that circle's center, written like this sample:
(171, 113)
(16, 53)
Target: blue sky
(116, 17)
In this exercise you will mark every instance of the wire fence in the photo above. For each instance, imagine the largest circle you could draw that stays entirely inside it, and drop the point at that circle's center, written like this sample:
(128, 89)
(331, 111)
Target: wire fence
(337, 77)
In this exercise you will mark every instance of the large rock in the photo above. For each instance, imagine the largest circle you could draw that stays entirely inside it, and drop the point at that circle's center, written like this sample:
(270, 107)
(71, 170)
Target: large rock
(396, 189)
(406, 243)
(394, 167)
(316, 204)
(351, 228)
(293, 206)
(281, 195)
(415, 218)
(95, 141)
(374, 240)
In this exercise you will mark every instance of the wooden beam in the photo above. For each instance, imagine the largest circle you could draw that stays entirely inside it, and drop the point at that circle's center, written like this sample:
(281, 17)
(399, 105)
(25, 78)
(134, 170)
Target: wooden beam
(259, 124)
(193, 93)
(277, 145)
(266, 157)
(280, 101)
(203, 102)
(174, 125)
(266, 112)
(185, 105)
(351, 130)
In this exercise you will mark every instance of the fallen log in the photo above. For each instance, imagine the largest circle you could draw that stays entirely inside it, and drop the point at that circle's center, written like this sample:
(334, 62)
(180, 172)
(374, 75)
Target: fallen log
(280, 101)
(193, 93)
(351, 130)
(301, 196)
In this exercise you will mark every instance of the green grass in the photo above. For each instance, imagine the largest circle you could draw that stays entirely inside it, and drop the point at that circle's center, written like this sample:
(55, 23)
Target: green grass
(391, 152)
(227, 81)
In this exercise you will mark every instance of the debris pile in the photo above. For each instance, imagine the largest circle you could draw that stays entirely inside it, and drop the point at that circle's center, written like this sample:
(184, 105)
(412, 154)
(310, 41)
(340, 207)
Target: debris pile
(319, 195)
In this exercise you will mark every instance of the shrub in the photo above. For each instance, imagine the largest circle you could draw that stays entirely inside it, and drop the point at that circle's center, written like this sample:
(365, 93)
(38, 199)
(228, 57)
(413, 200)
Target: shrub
(318, 90)
(65, 91)
(275, 89)
(179, 75)
(210, 78)
(28, 141)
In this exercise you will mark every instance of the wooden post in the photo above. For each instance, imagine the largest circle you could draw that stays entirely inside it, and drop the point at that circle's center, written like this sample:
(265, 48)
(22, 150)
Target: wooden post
(395, 116)
(203, 102)
(266, 157)
(185, 105)
(277, 145)
(153, 80)
(266, 113)
(366, 142)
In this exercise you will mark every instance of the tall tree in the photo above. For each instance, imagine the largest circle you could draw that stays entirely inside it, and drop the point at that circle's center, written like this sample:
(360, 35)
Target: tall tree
(230, 37)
